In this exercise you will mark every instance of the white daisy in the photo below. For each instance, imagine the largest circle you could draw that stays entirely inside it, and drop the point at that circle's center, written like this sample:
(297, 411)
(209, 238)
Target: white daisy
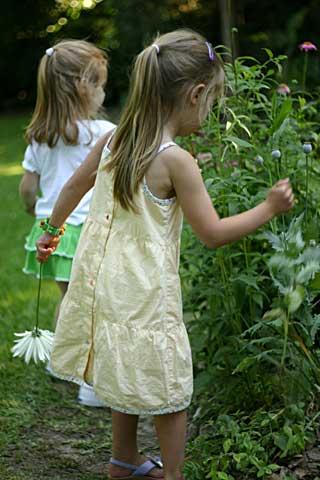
(36, 344)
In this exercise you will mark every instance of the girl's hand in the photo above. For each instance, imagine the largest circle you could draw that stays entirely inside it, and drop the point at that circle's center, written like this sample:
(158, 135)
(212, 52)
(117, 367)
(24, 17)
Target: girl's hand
(46, 245)
(280, 198)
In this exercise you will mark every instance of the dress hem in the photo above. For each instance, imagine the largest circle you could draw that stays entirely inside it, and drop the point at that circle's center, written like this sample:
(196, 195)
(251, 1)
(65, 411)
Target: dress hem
(130, 411)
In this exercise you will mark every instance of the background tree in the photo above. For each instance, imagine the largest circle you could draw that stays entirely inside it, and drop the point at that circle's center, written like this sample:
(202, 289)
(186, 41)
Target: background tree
(123, 27)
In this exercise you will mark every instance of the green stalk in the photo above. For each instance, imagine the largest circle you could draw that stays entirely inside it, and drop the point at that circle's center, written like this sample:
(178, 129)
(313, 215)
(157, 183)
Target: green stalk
(36, 329)
(286, 330)
(273, 223)
(247, 267)
(228, 295)
(304, 72)
(307, 190)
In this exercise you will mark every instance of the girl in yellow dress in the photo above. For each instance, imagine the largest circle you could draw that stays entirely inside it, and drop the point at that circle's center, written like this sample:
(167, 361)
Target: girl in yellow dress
(121, 326)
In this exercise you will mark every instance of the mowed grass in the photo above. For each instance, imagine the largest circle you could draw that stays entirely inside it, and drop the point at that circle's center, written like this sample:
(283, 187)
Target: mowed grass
(44, 433)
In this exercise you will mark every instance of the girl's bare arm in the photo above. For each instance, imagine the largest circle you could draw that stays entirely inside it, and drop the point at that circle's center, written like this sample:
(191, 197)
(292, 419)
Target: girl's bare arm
(76, 187)
(203, 218)
(28, 190)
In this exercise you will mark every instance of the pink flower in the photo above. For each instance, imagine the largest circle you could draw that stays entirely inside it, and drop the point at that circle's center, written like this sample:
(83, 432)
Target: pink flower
(307, 47)
(283, 89)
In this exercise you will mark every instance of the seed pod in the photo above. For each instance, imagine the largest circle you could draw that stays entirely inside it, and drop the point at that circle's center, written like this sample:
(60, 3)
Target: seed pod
(259, 160)
(276, 154)
(307, 147)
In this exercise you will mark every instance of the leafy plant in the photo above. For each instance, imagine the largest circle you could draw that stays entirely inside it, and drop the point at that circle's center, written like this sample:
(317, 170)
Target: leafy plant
(252, 307)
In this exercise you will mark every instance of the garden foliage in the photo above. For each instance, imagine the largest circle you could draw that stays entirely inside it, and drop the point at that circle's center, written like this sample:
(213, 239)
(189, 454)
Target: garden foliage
(252, 307)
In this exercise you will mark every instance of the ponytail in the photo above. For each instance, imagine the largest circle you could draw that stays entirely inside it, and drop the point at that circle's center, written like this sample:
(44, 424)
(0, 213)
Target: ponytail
(138, 136)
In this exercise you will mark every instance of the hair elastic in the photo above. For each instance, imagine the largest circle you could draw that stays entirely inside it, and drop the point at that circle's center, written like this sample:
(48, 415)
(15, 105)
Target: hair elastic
(156, 47)
(210, 51)
(49, 51)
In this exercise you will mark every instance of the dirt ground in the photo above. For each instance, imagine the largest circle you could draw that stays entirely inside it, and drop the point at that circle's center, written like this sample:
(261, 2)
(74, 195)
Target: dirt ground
(71, 442)
(68, 442)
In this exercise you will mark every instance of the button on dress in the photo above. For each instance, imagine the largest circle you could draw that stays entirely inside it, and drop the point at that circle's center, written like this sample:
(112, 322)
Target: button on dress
(120, 326)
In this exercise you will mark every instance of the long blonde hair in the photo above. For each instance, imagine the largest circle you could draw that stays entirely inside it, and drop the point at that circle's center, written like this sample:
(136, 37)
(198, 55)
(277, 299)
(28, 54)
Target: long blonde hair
(64, 75)
(162, 76)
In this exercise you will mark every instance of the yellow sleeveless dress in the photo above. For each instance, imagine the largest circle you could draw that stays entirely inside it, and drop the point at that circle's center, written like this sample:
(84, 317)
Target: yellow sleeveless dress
(120, 326)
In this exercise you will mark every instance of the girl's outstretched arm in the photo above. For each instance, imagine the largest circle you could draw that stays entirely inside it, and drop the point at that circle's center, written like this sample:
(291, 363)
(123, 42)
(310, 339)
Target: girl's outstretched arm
(200, 213)
(75, 188)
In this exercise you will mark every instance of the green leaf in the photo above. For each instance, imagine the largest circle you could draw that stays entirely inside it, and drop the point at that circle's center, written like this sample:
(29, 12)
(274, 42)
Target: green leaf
(227, 445)
(315, 284)
(249, 280)
(286, 108)
(307, 272)
(244, 364)
(223, 476)
(238, 142)
(315, 326)
(269, 52)
(275, 241)
(295, 298)
(274, 313)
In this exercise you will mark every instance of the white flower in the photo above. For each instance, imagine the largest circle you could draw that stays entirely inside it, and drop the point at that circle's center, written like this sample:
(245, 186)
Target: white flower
(307, 147)
(36, 344)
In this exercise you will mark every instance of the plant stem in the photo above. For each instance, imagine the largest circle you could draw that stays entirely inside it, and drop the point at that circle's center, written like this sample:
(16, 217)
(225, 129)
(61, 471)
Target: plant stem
(38, 298)
(304, 72)
(247, 267)
(229, 295)
(307, 190)
(286, 329)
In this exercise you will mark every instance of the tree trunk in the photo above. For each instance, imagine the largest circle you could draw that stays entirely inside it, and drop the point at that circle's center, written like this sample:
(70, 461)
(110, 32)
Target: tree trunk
(227, 23)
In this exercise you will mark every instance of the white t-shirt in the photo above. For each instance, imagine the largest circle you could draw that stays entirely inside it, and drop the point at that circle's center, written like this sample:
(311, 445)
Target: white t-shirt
(56, 165)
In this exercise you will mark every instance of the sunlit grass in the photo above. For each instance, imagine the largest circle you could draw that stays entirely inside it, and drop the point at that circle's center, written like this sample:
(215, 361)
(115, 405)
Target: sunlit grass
(18, 291)
(9, 170)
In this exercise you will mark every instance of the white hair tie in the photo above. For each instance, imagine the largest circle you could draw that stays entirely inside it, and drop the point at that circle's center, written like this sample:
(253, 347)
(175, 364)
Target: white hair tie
(49, 51)
(156, 47)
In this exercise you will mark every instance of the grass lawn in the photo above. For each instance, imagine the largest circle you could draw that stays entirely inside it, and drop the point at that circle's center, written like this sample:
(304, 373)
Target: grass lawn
(44, 433)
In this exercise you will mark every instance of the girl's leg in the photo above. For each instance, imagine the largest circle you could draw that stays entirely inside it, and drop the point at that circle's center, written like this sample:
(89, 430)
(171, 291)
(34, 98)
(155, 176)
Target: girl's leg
(172, 431)
(63, 287)
(125, 447)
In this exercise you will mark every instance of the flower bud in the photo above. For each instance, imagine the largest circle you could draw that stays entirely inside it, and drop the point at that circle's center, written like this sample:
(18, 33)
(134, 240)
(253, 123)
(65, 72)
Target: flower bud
(283, 89)
(276, 154)
(307, 147)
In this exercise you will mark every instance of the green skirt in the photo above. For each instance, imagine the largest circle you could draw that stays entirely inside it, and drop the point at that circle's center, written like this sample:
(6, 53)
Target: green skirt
(58, 265)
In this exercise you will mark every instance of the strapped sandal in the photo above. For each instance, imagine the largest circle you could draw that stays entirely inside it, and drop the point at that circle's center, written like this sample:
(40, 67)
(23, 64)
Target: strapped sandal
(138, 472)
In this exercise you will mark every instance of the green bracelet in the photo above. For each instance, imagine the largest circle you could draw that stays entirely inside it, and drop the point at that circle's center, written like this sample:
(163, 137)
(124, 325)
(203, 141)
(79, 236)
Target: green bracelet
(54, 231)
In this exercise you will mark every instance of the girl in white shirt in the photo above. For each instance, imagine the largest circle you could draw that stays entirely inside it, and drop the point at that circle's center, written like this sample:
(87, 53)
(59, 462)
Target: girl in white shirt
(70, 91)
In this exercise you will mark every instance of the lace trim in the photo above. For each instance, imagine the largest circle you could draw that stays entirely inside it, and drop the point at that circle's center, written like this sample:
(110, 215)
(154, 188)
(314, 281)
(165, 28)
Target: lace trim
(145, 188)
(154, 199)
(130, 411)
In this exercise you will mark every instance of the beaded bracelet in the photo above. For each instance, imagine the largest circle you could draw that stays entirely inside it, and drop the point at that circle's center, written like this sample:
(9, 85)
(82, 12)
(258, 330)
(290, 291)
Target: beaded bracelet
(54, 231)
